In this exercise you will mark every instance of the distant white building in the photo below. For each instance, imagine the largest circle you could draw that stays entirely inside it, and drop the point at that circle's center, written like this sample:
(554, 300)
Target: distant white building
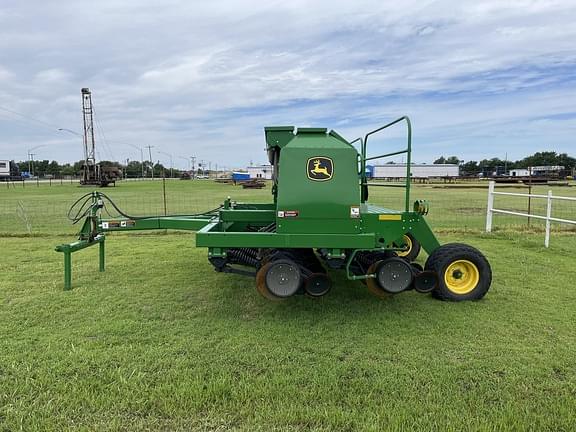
(519, 172)
(260, 171)
(4, 168)
(537, 171)
(417, 170)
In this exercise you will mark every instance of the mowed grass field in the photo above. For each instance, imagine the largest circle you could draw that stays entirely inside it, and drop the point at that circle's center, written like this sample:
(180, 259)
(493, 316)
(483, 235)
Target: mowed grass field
(162, 342)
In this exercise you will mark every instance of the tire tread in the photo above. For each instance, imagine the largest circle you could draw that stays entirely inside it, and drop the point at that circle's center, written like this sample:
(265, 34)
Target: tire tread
(449, 252)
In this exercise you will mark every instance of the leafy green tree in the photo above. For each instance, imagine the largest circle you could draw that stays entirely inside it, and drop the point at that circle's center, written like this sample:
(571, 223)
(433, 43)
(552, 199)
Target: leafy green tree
(548, 158)
(67, 170)
(160, 170)
(134, 169)
(453, 160)
(470, 168)
(450, 160)
(440, 160)
(53, 168)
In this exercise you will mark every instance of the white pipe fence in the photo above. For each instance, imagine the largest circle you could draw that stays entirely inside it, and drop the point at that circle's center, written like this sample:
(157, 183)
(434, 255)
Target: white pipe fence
(548, 218)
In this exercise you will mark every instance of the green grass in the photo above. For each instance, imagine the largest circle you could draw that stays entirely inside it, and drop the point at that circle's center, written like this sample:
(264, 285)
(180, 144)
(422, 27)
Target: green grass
(162, 342)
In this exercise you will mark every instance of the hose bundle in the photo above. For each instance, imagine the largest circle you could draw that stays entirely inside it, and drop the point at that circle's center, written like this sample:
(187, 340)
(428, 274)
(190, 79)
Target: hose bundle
(83, 206)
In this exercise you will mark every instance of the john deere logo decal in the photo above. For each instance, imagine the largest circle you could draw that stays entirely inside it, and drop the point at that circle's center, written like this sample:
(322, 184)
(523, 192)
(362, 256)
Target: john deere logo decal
(319, 168)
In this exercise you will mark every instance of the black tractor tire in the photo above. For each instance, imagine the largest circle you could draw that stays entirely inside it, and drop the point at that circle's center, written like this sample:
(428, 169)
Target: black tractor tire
(463, 272)
(414, 248)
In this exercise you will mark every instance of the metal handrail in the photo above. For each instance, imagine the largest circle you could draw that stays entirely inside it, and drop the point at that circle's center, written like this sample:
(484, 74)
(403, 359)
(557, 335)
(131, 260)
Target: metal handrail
(359, 155)
(408, 150)
(357, 139)
(386, 184)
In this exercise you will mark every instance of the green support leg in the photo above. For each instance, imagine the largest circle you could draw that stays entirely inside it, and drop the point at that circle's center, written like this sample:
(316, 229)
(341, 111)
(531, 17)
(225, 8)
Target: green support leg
(68, 249)
(102, 255)
(67, 270)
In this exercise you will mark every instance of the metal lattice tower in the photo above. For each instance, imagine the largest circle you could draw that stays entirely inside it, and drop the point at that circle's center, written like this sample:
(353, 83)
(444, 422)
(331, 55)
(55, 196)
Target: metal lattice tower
(90, 170)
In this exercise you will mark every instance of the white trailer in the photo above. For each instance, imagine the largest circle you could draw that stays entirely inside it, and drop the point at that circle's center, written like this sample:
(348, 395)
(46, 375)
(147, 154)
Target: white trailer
(417, 170)
(4, 168)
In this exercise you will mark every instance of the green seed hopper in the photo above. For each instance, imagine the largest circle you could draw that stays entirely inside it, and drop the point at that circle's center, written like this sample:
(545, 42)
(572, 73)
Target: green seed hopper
(319, 221)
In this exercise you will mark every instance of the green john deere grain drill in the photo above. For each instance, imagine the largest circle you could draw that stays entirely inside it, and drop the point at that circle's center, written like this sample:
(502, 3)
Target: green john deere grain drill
(320, 221)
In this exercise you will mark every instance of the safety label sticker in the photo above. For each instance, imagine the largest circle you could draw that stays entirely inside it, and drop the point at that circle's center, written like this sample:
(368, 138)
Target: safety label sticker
(287, 213)
(117, 224)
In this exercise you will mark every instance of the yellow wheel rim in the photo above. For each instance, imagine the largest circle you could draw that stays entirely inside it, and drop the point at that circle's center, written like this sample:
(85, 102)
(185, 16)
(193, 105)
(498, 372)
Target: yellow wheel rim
(461, 277)
(408, 241)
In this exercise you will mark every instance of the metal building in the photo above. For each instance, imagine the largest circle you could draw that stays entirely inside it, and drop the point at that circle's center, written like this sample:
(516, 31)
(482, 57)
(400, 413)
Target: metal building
(260, 172)
(519, 172)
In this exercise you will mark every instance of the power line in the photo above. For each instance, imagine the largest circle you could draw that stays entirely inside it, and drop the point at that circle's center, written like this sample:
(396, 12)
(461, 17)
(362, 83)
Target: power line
(100, 128)
(45, 125)
(28, 117)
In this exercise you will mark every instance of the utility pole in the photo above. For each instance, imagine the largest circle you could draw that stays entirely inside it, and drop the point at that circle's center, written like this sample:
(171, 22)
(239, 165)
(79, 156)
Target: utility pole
(193, 159)
(171, 163)
(31, 158)
(141, 157)
(149, 147)
(31, 163)
(187, 160)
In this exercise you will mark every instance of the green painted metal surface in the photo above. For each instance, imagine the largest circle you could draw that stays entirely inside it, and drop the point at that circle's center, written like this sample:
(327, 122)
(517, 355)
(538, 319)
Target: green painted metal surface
(317, 185)
(68, 249)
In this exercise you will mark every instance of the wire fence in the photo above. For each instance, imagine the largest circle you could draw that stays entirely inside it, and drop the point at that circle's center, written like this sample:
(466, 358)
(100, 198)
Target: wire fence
(41, 209)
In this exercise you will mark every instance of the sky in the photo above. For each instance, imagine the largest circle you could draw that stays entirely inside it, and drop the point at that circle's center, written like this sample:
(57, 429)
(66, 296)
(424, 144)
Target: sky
(479, 79)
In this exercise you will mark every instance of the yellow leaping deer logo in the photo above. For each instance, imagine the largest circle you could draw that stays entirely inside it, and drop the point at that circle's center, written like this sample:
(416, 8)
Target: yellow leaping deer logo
(320, 168)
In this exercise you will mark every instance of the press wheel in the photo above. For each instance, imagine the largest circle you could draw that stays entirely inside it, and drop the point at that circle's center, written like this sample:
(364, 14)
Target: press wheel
(279, 279)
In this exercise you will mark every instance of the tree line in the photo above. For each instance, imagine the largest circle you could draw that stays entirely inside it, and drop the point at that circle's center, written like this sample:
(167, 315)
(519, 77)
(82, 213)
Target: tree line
(548, 158)
(43, 168)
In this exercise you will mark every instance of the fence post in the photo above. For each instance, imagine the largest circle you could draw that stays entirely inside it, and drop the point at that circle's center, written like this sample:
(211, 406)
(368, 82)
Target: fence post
(548, 216)
(164, 192)
(490, 206)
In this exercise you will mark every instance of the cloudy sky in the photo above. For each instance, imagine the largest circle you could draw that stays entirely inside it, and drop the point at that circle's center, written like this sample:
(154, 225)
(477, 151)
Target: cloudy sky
(479, 78)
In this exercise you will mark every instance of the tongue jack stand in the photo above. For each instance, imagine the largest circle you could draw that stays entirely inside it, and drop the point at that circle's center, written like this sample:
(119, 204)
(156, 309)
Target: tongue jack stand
(67, 250)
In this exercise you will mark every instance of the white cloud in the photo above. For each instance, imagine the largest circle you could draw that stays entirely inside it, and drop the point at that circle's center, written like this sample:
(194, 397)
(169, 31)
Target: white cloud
(205, 77)
(48, 76)
(5, 74)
